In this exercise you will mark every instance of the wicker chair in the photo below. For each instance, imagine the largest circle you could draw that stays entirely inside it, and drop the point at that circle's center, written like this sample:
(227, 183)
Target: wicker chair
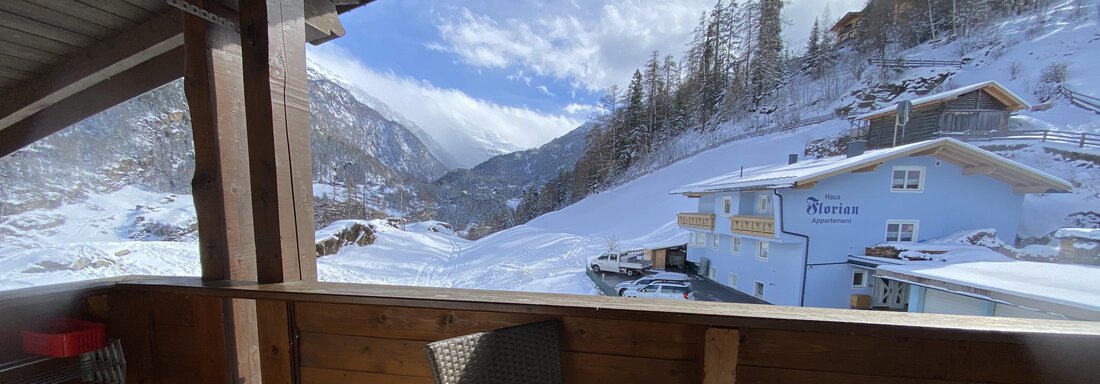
(522, 354)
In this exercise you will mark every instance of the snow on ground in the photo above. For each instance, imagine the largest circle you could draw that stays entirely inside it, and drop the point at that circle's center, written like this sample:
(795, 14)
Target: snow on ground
(92, 239)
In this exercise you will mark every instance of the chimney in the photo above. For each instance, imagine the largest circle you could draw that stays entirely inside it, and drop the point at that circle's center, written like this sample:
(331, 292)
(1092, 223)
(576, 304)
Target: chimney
(856, 147)
(792, 158)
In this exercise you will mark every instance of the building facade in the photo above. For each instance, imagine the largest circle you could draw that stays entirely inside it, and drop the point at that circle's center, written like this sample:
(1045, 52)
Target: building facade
(784, 233)
(978, 109)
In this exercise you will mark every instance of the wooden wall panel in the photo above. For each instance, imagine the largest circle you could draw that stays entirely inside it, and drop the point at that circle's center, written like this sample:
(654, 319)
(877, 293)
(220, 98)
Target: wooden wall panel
(916, 358)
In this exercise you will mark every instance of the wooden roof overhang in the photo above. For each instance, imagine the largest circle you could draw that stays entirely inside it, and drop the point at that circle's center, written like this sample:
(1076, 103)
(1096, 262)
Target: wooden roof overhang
(64, 60)
(844, 20)
(1010, 100)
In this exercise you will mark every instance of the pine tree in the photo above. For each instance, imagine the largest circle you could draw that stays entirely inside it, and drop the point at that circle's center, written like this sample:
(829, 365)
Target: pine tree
(767, 65)
(812, 60)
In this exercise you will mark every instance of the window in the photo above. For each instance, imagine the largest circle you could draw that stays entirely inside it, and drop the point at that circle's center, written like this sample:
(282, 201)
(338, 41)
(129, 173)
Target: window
(714, 242)
(698, 239)
(733, 280)
(735, 246)
(727, 205)
(901, 230)
(762, 203)
(762, 250)
(907, 179)
(712, 273)
(859, 278)
(758, 289)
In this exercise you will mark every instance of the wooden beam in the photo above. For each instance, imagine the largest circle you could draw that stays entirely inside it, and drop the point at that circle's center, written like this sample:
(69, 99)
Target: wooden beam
(805, 185)
(215, 87)
(277, 342)
(927, 152)
(980, 170)
(1031, 189)
(720, 355)
(277, 115)
(869, 168)
(92, 66)
(322, 22)
(126, 85)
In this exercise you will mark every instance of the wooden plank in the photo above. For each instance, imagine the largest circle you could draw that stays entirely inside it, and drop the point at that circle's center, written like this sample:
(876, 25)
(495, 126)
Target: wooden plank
(764, 375)
(152, 6)
(979, 170)
(276, 108)
(322, 22)
(326, 376)
(39, 28)
(121, 9)
(878, 356)
(130, 322)
(720, 356)
(100, 63)
(603, 369)
(35, 42)
(31, 66)
(277, 361)
(89, 13)
(364, 354)
(20, 51)
(627, 338)
(49, 16)
(407, 358)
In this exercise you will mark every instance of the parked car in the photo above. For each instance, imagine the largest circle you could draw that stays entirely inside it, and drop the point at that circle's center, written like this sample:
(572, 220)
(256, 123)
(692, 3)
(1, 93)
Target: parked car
(663, 277)
(669, 291)
(629, 262)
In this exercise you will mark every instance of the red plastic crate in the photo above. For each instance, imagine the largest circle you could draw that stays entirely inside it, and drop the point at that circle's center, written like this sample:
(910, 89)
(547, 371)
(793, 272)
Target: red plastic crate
(65, 337)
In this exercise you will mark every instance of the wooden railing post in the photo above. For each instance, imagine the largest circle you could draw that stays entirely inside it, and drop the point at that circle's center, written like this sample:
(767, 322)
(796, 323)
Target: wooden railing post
(720, 355)
(1082, 143)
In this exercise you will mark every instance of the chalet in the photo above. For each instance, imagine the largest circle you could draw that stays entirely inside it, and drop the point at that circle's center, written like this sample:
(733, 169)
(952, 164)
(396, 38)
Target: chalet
(994, 285)
(258, 313)
(980, 109)
(784, 233)
(1078, 245)
(847, 28)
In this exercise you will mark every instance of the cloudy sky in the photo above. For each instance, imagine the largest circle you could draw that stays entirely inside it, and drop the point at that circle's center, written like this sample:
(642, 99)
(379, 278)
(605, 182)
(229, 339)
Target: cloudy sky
(528, 71)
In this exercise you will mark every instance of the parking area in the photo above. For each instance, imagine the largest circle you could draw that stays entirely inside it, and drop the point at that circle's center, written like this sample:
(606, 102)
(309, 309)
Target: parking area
(705, 289)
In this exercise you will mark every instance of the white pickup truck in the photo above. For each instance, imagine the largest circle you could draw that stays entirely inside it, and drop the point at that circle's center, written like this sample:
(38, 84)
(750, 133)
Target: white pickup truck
(630, 262)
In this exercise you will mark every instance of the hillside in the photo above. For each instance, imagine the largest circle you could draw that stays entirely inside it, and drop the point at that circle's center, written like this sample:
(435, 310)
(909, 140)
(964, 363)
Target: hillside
(549, 253)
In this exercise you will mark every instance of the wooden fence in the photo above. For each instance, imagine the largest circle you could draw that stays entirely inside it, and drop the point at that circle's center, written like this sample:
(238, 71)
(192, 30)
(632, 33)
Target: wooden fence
(1082, 100)
(902, 62)
(1081, 139)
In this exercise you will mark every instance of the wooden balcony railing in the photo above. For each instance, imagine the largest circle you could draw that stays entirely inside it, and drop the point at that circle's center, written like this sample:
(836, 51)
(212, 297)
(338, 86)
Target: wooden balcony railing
(179, 330)
(753, 225)
(696, 220)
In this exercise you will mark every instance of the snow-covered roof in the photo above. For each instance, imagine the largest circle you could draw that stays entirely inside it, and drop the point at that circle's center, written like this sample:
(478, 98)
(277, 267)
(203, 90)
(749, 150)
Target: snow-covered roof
(1080, 233)
(1066, 284)
(847, 18)
(1026, 179)
(1004, 95)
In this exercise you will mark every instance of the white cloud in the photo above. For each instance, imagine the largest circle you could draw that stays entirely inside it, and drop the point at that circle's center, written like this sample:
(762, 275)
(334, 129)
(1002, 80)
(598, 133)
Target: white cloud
(545, 91)
(588, 49)
(582, 109)
(466, 126)
(597, 45)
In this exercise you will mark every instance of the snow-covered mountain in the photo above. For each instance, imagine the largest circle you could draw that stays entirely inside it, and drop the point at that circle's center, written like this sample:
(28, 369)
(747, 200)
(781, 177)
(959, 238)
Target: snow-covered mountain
(550, 252)
(482, 200)
(460, 144)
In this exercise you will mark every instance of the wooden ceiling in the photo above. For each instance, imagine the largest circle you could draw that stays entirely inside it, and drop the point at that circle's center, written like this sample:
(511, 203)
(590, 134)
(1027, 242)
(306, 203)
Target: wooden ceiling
(64, 60)
(37, 36)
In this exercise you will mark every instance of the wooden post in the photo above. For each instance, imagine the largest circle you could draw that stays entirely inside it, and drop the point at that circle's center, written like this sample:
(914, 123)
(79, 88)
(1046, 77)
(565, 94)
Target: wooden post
(720, 350)
(214, 87)
(277, 113)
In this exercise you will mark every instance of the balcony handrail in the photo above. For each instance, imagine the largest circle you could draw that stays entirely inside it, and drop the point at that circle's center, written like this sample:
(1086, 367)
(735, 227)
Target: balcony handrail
(702, 313)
